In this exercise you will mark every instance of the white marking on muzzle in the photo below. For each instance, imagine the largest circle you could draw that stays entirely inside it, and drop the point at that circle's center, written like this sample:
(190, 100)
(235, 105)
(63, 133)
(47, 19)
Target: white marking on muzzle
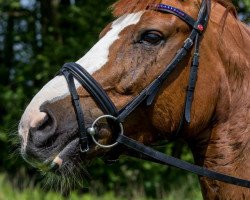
(93, 60)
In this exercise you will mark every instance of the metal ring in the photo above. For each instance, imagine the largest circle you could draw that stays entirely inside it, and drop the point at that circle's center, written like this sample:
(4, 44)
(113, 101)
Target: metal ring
(91, 131)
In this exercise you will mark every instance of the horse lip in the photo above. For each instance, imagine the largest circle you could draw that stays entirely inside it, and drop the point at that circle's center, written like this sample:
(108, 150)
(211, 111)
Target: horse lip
(28, 159)
(64, 154)
(52, 163)
(43, 166)
(71, 147)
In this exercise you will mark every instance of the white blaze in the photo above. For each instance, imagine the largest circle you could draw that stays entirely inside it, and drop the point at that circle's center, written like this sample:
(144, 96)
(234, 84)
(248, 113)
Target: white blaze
(93, 60)
(98, 55)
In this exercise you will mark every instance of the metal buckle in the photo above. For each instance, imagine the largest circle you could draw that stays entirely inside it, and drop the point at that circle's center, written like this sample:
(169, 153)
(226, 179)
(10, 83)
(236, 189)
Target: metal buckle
(84, 150)
(188, 40)
(91, 130)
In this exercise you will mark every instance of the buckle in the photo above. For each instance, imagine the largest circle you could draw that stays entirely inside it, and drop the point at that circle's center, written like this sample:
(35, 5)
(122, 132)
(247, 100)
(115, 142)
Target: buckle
(188, 40)
(84, 147)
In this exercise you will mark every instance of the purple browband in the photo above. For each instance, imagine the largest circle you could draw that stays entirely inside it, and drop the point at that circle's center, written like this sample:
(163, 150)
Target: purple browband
(179, 13)
(163, 7)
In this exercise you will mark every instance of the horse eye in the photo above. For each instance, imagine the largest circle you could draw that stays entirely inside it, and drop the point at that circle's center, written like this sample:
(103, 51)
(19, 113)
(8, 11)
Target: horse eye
(151, 38)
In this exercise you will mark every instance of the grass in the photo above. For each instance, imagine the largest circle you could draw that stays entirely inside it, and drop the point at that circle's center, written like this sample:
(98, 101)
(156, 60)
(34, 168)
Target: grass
(187, 190)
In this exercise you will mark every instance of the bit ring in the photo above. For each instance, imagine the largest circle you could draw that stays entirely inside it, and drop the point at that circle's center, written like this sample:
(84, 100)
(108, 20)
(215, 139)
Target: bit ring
(91, 130)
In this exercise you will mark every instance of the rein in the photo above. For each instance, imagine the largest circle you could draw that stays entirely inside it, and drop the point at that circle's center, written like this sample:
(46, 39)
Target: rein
(116, 117)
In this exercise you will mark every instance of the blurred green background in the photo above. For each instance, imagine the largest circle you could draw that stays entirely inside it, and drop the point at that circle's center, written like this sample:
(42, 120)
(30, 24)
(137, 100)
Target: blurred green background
(36, 38)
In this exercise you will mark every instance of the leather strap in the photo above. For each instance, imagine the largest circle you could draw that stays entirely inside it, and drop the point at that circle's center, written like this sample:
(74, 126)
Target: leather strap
(92, 86)
(83, 138)
(175, 11)
(164, 159)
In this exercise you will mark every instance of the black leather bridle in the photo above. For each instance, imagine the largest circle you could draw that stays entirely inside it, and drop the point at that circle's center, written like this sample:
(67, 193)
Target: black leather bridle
(115, 117)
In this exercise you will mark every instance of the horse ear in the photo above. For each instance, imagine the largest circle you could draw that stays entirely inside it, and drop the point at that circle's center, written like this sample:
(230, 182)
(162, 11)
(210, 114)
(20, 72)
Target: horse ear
(122, 7)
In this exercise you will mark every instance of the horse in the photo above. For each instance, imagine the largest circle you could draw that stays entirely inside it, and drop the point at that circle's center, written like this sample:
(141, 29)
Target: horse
(131, 54)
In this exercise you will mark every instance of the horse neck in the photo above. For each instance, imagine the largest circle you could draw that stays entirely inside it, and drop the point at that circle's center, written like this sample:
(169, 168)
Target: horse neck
(225, 145)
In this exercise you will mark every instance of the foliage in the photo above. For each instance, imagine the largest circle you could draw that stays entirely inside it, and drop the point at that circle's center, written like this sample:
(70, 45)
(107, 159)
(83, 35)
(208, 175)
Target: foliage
(34, 192)
(243, 8)
(36, 38)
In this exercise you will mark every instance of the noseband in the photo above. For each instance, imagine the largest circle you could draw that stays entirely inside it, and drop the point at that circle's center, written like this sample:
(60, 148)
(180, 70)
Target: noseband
(115, 117)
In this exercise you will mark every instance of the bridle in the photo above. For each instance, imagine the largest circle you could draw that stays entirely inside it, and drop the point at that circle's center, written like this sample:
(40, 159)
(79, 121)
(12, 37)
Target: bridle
(115, 117)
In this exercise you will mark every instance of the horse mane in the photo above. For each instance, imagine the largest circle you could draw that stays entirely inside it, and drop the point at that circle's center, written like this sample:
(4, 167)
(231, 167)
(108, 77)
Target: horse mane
(122, 7)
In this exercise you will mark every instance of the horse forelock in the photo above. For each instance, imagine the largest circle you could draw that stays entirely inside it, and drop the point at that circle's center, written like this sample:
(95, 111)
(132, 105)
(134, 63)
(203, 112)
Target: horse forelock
(122, 7)
(128, 6)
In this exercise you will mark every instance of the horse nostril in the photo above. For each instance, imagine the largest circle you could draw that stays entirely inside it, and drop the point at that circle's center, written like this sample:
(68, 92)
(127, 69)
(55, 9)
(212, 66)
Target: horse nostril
(46, 124)
(42, 128)
(38, 120)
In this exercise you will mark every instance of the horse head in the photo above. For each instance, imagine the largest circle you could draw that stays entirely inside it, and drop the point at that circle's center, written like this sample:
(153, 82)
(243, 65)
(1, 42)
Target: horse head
(131, 54)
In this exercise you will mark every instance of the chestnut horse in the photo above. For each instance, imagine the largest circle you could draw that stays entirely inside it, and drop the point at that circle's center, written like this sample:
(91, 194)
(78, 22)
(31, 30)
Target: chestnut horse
(132, 51)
